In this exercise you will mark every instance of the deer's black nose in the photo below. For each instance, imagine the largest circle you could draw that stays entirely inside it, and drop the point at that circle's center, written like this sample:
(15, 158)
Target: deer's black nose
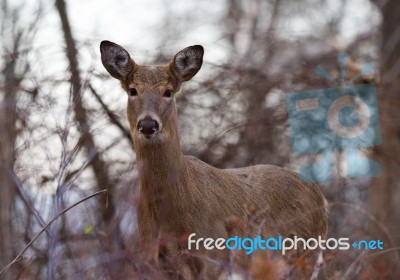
(147, 126)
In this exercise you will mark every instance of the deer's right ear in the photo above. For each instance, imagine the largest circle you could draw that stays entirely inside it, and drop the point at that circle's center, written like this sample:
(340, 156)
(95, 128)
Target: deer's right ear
(116, 60)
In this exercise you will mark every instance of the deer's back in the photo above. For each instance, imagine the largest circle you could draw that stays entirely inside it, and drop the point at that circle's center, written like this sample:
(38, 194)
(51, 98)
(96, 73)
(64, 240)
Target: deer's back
(286, 204)
(276, 199)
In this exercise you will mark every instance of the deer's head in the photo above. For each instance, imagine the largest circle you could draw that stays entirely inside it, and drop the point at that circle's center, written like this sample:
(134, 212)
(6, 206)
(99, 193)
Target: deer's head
(151, 89)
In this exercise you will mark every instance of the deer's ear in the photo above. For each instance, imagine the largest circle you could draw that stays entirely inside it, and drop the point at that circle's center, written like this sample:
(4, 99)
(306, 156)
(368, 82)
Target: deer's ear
(116, 60)
(187, 62)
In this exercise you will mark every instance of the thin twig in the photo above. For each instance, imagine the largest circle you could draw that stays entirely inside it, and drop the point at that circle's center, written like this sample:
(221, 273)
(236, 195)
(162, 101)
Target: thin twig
(389, 250)
(114, 120)
(26, 198)
(353, 268)
(381, 226)
(19, 256)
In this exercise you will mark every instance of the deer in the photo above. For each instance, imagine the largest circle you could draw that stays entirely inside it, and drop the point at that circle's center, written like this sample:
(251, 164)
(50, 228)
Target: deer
(181, 194)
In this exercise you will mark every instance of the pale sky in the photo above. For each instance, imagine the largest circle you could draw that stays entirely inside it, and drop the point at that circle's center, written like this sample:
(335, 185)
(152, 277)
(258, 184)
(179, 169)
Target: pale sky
(136, 25)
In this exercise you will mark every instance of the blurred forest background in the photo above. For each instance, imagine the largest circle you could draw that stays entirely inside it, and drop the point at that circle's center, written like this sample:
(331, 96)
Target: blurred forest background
(64, 134)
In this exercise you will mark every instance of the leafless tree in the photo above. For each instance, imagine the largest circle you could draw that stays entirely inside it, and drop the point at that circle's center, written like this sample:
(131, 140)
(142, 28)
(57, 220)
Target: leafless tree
(233, 114)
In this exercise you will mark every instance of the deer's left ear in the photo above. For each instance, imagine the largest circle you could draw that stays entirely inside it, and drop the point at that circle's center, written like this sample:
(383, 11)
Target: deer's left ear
(187, 62)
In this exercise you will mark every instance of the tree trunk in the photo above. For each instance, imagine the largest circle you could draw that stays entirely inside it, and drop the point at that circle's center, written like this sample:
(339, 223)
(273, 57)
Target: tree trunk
(385, 190)
(99, 167)
(8, 135)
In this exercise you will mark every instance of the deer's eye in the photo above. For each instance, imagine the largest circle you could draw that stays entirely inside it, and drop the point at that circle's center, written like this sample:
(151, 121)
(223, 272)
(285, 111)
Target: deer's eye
(132, 92)
(168, 93)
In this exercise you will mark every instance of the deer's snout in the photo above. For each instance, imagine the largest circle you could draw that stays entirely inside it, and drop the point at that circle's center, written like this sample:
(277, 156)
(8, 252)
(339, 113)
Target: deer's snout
(147, 126)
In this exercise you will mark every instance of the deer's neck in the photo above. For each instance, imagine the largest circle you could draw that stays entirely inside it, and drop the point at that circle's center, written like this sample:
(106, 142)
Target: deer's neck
(161, 168)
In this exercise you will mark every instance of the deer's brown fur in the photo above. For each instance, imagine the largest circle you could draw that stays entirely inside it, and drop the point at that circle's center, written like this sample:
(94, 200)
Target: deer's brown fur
(181, 194)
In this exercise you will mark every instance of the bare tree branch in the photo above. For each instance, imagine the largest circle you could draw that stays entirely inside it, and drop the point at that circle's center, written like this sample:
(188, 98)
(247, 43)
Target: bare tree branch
(113, 118)
(20, 254)
(99, 167)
